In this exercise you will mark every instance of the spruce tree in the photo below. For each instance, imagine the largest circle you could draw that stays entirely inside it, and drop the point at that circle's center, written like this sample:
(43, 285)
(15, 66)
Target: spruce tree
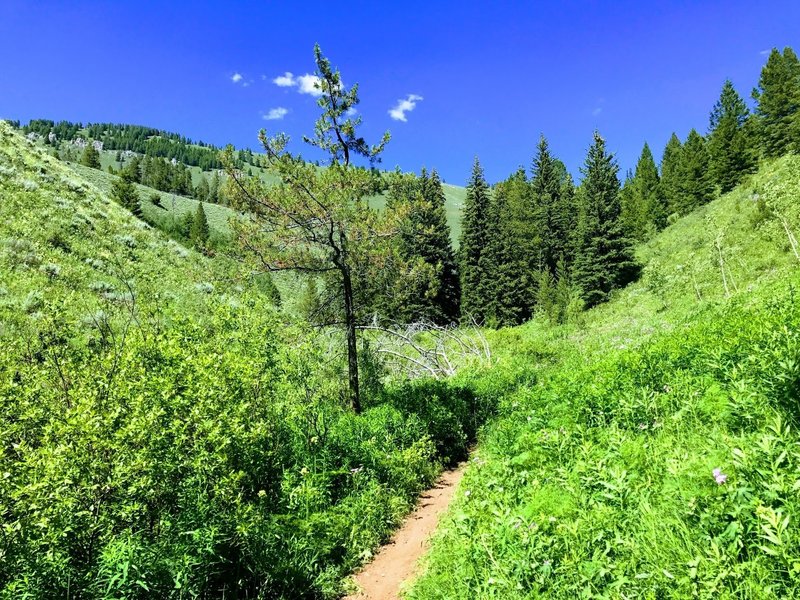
(671, 174)
(778, 97)
(424, 246)
(123, 190)
(604, 259)
(199, 231)
(551, 220)
(438, 250)
(90, 156)
(508, 288)
(696, 184)
(729, 143)
(472, 242)
(643, 203)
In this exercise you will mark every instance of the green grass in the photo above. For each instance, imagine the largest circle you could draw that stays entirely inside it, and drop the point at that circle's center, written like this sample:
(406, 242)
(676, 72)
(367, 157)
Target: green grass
(596, 478)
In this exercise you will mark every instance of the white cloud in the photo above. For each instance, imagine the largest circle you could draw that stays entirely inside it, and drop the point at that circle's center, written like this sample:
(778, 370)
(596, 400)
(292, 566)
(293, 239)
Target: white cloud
(307, 84)
(285, 80)
(351, 112)
(398, 113)
(237, 77)
(597, 111)
(765, 52)
(275, 114)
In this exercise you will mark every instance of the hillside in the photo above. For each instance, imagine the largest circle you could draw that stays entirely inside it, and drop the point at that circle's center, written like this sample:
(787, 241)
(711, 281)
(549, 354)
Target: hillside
(132, 138)
(165, 432)
(650, 448)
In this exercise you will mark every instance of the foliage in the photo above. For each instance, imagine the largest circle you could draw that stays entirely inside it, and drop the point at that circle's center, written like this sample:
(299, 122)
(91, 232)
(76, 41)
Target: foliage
(604, 255)
(730, 140)
(472, 243)
(778, 109)
(652, 450)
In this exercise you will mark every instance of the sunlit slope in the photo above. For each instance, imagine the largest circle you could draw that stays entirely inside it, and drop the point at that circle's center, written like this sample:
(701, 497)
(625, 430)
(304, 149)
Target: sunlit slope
(62, 240)
(651, 450)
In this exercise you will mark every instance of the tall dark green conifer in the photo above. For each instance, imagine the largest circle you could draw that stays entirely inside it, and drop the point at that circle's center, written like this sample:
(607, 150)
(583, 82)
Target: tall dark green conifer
(604, 258)
(671, 174)
(729, 144)
(123, 190)
(425, 237)
(439, 251)
(551, 220)
(778, 97)
(199, 231)
(472, 243)
(696, 183)
(90, 156)
(510, 256)
(644, 209)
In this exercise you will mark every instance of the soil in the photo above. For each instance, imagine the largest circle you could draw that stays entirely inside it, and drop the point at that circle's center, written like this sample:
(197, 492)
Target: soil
(396, 562)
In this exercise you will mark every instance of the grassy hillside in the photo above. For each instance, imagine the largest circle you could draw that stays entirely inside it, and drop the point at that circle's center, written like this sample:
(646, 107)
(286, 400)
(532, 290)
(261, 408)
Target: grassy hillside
(650, 450)
(165, 432)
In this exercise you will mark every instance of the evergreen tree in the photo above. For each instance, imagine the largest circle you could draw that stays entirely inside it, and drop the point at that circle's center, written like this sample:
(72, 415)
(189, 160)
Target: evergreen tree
(671, 173)
(424, 246)
(729, 143)
(199, 232)
(604, 259)
(201, 192)
(437, 249)
(472, 243)
(696, 184)
(90, 156)
(644, 209)
(123, 190)
(551, 213)
(508, 287)
(778, 97)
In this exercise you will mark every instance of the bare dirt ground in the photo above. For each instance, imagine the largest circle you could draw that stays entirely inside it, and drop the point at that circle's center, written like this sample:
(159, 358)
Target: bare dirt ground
(396, 562)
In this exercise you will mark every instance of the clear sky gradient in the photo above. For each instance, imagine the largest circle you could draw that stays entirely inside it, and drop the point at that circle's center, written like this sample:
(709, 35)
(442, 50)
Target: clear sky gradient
(492, 76)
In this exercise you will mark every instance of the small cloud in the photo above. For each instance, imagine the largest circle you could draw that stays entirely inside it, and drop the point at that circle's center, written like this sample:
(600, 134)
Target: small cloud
(765, 52)
(597, 111)
(309, 84)
(285, 80)
(398, 113)
(237, 77)
(275, 114)
(351, 112)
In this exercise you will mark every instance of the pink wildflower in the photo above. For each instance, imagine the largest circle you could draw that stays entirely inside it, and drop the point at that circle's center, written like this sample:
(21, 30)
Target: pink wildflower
(719, 476)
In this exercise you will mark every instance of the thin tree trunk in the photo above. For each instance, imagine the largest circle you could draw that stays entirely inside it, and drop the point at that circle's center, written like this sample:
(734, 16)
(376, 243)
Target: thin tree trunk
(352, 349)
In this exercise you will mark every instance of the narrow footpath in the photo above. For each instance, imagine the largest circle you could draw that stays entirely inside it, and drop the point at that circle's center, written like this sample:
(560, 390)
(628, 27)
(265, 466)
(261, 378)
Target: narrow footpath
(396, 562)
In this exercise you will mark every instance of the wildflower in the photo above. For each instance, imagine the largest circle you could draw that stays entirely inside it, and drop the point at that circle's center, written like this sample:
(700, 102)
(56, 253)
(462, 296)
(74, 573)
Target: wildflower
(261, 493)
(719, 476)
(357, 470)
(467, 493)
(642, 426)
(304, 471)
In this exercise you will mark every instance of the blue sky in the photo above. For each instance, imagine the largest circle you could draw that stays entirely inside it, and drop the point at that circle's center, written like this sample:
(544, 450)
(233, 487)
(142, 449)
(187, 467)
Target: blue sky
(485, 78)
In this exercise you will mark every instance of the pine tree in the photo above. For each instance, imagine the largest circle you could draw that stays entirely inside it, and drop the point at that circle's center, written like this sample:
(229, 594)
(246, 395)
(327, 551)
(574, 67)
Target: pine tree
(550, 213)
(778, 97)
(90, 156)
(508, 287)
(123, 190)
(729, 143)
(199, 232)
(438, 250)
(424, 246)
(696, 184)
(604, 258)
(671, 173)
(201, 192)
(644, 209)
(472, 243)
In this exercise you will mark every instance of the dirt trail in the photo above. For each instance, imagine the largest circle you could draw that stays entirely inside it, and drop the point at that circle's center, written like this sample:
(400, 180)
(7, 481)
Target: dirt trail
(396, 561)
